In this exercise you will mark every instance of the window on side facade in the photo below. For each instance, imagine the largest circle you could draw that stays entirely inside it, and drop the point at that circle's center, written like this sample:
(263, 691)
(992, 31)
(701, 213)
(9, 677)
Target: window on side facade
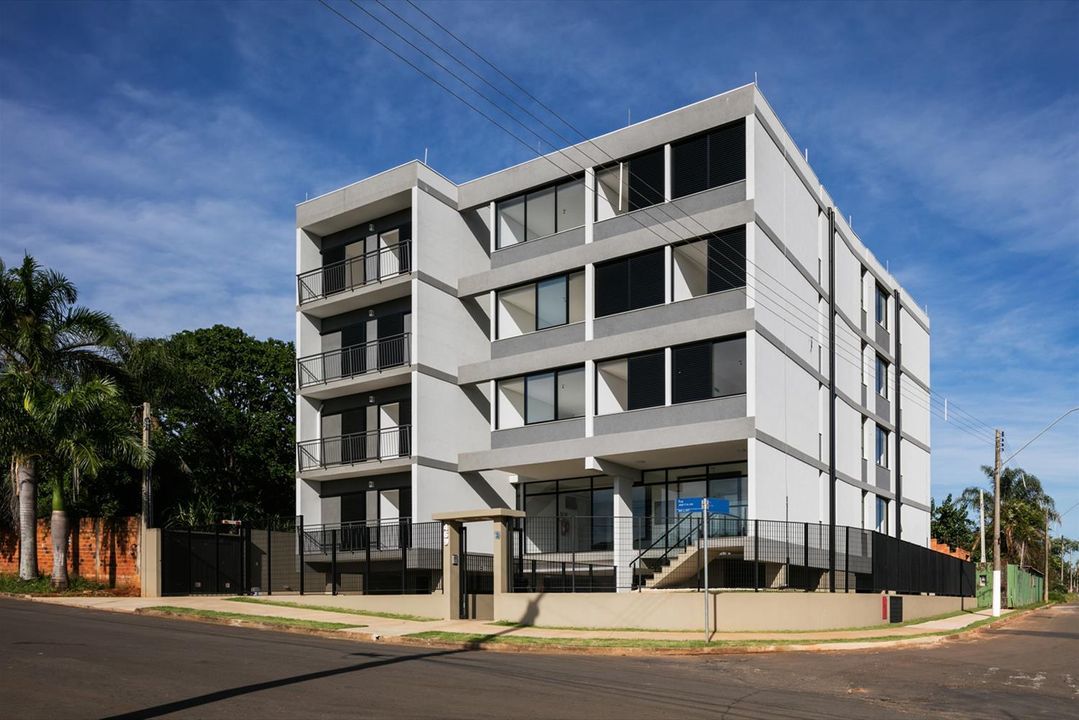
(882, 306)
(882, 447)
(882, 377)
(540, 213)
(881, 524)
(708, 370)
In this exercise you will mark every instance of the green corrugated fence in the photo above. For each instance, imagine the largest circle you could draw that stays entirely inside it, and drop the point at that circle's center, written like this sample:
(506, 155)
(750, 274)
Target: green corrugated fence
(1023, 587)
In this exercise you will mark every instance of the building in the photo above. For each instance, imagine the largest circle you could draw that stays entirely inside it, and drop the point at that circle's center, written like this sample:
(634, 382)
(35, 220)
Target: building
(600, 331)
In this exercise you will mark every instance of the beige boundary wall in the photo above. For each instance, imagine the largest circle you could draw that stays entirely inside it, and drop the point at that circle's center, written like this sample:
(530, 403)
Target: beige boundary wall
(730, 611)
(432, 605)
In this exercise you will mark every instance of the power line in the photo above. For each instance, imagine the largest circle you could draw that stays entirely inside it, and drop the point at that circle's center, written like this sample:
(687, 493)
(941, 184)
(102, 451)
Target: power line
(1046, 429)
(974, 421)
(758, 286)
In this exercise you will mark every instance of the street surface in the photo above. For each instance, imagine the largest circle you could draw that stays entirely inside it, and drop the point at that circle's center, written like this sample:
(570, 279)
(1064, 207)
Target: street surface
(59, 662)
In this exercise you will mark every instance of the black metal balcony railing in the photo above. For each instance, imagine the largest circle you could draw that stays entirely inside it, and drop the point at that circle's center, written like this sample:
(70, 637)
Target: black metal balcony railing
(354, 272)
(369, 357)
(376, 445)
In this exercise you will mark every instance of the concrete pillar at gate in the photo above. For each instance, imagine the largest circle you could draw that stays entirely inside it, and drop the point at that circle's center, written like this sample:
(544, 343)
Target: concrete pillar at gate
(452, 522)
(503, 557)
(451, 569)
(623, 533)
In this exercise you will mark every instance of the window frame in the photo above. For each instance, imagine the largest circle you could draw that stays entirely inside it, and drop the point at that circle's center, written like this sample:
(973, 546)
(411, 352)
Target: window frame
(711, 366)
(555, 373)
(566, 276)
(627, 260)
(880, 296)
(881, 371)
(707, 136)
(881, 449)
(523, 197)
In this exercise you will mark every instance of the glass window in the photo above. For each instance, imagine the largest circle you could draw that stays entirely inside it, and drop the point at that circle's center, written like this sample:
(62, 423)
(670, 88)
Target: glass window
(539, 398)
(882, 377)
(882, 515)
(540, 216)
(629, 283)
(729, 367)
(882, 307)
(551, 305)
(646, 180)
(882, 447)
(571, 393)
(511, 222)
(708, 161)
(570, 205)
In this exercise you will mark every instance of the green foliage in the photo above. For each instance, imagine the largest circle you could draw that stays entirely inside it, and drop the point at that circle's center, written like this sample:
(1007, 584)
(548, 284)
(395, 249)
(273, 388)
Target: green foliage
(950, 523)
(14, 585)
(225, 429)
(1023, 509)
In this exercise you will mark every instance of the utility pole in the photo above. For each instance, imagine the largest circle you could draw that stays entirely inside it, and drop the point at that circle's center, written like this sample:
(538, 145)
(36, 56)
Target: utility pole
(996, 522)
(981, 520)
(147, 497)
(1045, 581)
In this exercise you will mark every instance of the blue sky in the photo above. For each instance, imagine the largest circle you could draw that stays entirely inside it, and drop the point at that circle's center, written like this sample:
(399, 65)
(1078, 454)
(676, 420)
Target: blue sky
(154, 154)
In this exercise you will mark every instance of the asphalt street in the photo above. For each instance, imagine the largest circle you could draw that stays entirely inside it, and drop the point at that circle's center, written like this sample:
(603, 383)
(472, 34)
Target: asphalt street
(60, 662)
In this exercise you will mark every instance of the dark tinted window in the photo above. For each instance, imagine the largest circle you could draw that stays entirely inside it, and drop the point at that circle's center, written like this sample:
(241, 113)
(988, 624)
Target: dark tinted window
(709, 369)
(629, 283)
(708, 161)
(645, 380)
(646, 179)
(726, 260)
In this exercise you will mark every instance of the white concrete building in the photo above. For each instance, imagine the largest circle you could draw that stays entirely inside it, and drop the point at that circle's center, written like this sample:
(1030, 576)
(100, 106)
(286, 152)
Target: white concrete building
(598, 332)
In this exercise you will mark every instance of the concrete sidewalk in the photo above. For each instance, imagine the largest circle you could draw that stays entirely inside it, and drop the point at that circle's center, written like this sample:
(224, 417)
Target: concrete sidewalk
(320, 608)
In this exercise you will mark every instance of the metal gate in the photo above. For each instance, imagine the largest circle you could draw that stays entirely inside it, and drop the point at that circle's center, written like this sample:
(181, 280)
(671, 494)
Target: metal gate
(205, 561)
(477, 577)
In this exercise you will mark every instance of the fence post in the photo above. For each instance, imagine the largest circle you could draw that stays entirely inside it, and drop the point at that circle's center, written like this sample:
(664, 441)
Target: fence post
(846, 559)
(299, 538)
(533, 575)
(573, 556)
(805, 552)
(403, 542)
(756, 555)
(269, 558)
(243, 563)
(190, 559)
(367, 559)
(333, 560)
(217, 558)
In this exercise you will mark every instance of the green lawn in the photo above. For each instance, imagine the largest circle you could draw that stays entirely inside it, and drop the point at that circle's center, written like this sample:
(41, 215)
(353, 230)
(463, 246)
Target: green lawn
(330, 608)
(261, 619)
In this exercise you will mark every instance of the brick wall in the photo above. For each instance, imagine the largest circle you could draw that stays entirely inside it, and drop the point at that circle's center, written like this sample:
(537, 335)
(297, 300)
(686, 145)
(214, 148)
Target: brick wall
(101, 550)
(940, 547)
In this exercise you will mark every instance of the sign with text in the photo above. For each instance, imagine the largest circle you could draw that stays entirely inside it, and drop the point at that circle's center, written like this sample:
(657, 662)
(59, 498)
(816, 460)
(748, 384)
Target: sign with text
(713, 505)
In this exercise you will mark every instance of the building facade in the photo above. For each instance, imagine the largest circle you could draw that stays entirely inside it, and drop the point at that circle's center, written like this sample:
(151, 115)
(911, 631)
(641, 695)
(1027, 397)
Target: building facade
(674, 309)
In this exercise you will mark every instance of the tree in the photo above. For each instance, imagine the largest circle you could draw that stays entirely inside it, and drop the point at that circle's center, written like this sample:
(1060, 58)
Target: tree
(1023, 507)
(48, 345)
(225, 441)
(950, 523)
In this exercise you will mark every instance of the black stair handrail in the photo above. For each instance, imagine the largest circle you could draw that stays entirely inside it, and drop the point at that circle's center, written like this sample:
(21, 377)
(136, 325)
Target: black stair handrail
(694, 531)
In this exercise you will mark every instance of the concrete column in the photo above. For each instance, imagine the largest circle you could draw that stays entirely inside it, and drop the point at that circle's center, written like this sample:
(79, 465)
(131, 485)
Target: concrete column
(150, 562)
(503, 555)
(623, 532)
(451, 569)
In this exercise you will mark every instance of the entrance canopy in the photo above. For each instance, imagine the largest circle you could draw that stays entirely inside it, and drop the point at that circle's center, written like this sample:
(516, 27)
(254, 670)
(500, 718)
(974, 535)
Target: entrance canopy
(478, 515)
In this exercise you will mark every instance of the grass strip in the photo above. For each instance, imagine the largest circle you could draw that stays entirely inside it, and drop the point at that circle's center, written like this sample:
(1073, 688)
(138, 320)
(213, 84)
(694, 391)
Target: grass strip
(261, 619)
(511, 624)
(330, 608)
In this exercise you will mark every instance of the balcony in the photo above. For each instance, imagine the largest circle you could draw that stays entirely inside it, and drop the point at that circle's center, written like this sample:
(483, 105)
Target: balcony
(370, 268)
(374, 446)
(357, 361)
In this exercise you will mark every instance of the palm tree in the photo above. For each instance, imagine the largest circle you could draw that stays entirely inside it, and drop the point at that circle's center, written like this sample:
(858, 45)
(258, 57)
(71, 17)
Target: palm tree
(1023, 507)
(48, 346)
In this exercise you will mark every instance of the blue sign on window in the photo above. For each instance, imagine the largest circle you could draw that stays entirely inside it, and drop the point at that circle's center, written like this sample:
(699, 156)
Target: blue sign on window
(691, 505)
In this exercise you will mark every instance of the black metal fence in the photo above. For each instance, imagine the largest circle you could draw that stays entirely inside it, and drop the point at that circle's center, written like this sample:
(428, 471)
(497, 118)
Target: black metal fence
(382, 444)
(347, 362)
(370, 267)
(287, 557)
(582, 554)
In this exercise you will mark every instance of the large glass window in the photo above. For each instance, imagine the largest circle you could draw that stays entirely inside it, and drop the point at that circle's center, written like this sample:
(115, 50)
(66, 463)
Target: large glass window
(629, 283)
(630, 383)
(547, 303)
(540, 213)
(540, 397)
(709, 370)
(710, 160)
(631, 184)
(882, 515)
